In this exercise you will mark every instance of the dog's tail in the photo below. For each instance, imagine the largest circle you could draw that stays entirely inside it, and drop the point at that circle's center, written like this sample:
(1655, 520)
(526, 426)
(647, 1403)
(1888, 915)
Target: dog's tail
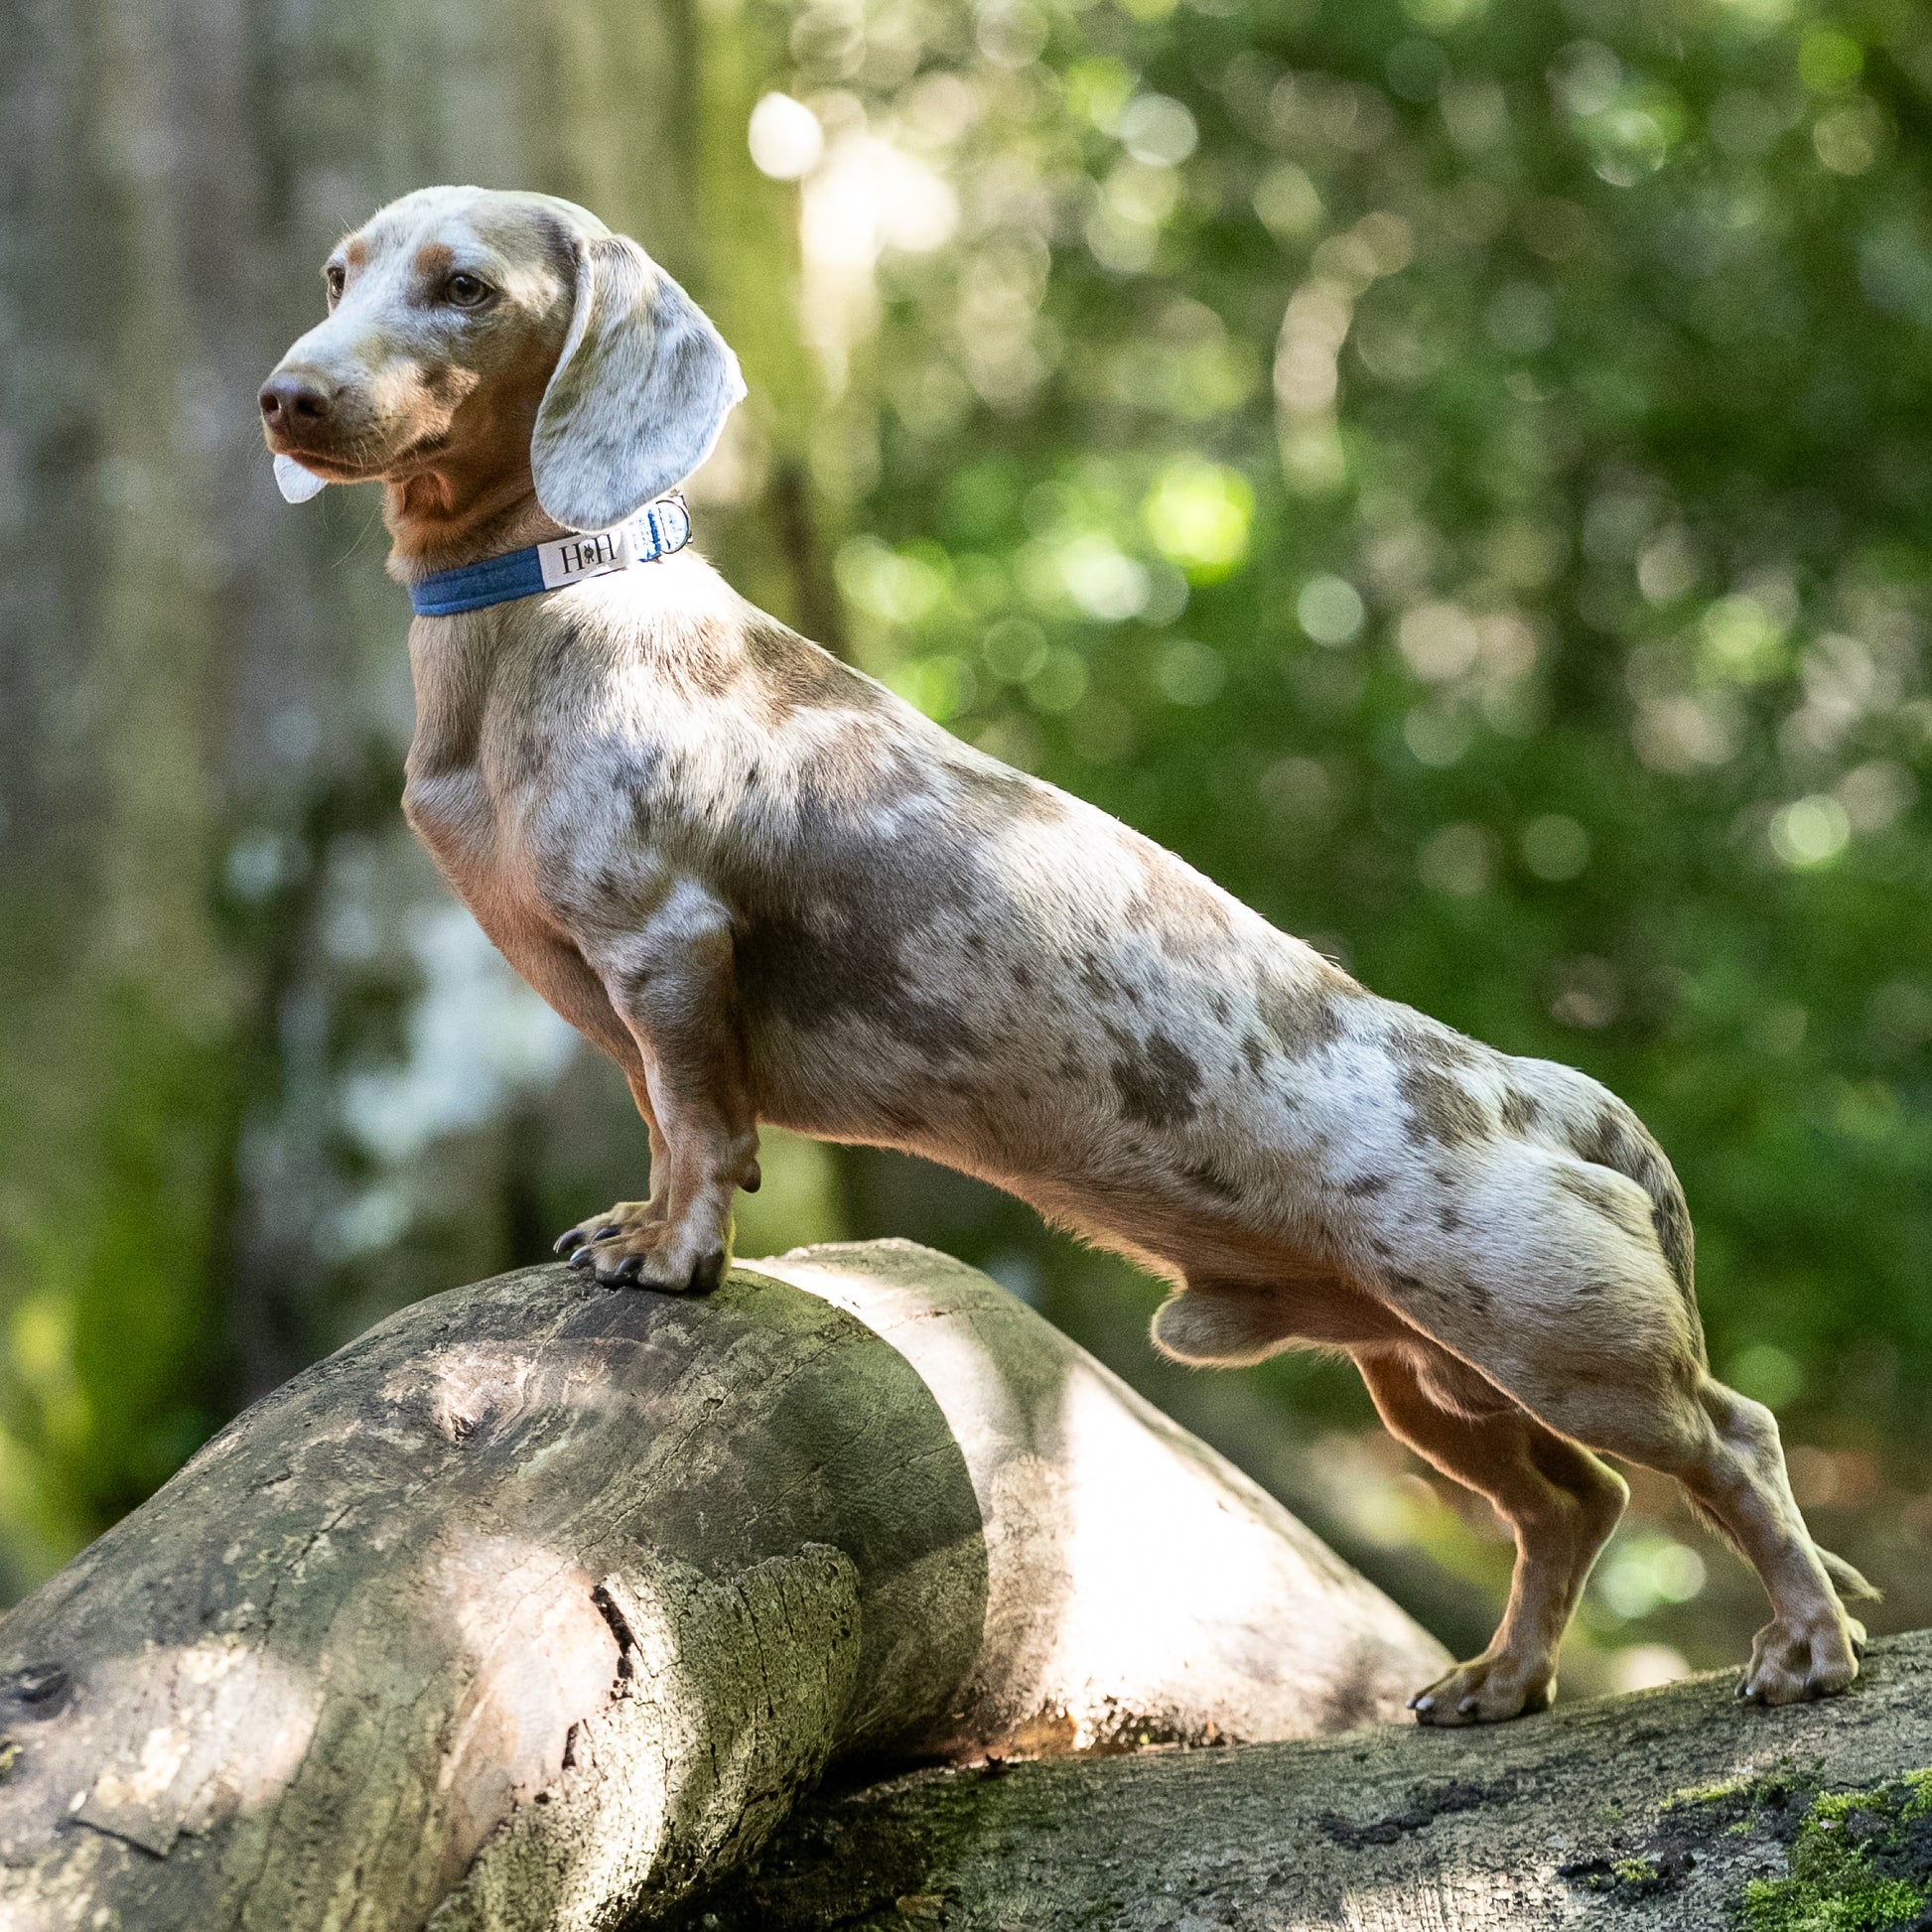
(1850, 1581)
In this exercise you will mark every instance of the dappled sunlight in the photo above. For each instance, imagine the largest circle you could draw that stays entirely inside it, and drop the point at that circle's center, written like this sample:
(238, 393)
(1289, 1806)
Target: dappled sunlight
(532, 1655)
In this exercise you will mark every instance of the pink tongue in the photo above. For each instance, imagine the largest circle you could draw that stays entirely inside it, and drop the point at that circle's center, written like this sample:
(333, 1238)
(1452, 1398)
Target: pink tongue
(296, 484)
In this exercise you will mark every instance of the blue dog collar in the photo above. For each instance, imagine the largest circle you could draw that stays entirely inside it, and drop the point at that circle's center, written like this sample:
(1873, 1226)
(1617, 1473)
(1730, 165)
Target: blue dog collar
(655, 531)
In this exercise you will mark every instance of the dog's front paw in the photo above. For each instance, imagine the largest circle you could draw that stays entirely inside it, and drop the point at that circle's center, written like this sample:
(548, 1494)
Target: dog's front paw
(1486, 1689)
(628, 1216)
(636, 1246)
(1789, 1666)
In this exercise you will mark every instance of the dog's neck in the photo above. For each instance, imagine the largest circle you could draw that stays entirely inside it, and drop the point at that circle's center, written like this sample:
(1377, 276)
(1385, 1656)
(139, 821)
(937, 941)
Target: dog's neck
(440, 521)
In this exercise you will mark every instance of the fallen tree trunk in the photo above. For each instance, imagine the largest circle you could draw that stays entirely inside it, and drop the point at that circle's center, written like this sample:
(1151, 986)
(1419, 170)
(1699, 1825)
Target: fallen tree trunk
(541, 1602)
(1678, 1808)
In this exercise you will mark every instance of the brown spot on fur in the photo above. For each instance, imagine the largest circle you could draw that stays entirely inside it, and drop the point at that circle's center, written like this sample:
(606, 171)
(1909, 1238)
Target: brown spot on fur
(794, 675)
(994, 797)
(1457, 1288)
(1255, 1052)
(356, 255)
(1422, 1044)
(1302, 1015)
(1362, 1185)
(1157, 1081)
(1617, 1139)
(433, 258)
(822, 925)
(704, 661)
(1520, 1111)
(1183, 915)
(1440, 1110)
(1594, 1194)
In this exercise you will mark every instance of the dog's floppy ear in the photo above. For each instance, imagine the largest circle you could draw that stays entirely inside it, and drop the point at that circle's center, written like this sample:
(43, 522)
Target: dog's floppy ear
(640, 391)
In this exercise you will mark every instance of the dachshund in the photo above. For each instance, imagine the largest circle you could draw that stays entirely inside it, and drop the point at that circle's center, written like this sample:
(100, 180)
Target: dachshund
(771, 890)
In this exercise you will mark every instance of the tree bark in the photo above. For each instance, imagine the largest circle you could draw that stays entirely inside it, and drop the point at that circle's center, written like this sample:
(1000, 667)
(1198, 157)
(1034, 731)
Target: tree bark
(540, 1603)
(1678, 1808)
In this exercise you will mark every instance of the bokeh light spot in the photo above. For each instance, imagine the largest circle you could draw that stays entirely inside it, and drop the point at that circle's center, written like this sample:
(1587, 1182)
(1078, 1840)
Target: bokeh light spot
(1331, 611)
(784, 137)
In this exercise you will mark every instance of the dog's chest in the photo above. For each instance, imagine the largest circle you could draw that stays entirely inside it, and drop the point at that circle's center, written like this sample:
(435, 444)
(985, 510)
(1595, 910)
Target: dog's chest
(450, 809)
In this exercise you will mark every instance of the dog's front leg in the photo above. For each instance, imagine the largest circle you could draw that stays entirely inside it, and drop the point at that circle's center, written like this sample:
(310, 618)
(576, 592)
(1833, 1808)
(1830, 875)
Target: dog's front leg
(670, 980)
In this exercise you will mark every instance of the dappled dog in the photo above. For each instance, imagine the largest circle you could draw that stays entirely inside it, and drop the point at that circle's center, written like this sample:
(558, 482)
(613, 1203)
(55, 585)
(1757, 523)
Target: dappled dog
(772, 892)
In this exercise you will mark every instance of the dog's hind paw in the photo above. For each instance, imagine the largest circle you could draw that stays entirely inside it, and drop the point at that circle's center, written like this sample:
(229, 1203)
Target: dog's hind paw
(1794, 1666)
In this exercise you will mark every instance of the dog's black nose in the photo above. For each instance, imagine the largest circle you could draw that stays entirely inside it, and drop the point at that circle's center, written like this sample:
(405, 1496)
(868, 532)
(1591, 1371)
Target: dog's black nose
(289, 401)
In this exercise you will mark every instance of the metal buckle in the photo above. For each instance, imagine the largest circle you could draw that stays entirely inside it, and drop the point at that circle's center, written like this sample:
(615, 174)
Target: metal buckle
(666, 535)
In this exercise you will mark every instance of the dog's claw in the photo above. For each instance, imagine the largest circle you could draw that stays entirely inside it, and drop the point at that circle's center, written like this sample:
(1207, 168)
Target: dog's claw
(583, 1257)
(1422, 1706)
(1468, 1706)
(567, 1243)
(606, 1232)
(629, 1270)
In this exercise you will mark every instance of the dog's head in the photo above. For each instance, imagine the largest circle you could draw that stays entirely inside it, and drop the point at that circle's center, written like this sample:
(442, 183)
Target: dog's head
(482, 340)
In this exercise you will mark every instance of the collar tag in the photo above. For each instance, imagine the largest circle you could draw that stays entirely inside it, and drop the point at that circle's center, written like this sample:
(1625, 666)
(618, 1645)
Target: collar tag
(653, 532)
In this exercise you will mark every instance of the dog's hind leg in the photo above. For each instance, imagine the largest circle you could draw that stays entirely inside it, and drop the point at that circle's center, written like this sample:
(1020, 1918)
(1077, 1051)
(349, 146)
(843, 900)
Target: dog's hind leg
(1724, 1449)
(1560, 1502)
(1811, 1647)
(1563, 1297)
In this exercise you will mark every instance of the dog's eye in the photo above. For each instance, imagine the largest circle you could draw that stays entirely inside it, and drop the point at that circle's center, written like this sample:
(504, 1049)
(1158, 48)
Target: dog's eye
(466, 291)
(335, 275)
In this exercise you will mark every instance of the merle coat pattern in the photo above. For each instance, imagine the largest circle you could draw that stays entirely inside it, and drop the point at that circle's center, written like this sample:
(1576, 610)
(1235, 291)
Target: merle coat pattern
(771, 891)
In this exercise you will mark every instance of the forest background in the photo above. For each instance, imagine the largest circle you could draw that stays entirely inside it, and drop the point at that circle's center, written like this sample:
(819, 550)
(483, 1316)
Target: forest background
(1459, 472)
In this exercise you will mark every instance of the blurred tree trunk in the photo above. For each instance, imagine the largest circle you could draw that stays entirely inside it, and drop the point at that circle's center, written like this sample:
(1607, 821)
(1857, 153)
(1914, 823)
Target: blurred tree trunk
(212, 923)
